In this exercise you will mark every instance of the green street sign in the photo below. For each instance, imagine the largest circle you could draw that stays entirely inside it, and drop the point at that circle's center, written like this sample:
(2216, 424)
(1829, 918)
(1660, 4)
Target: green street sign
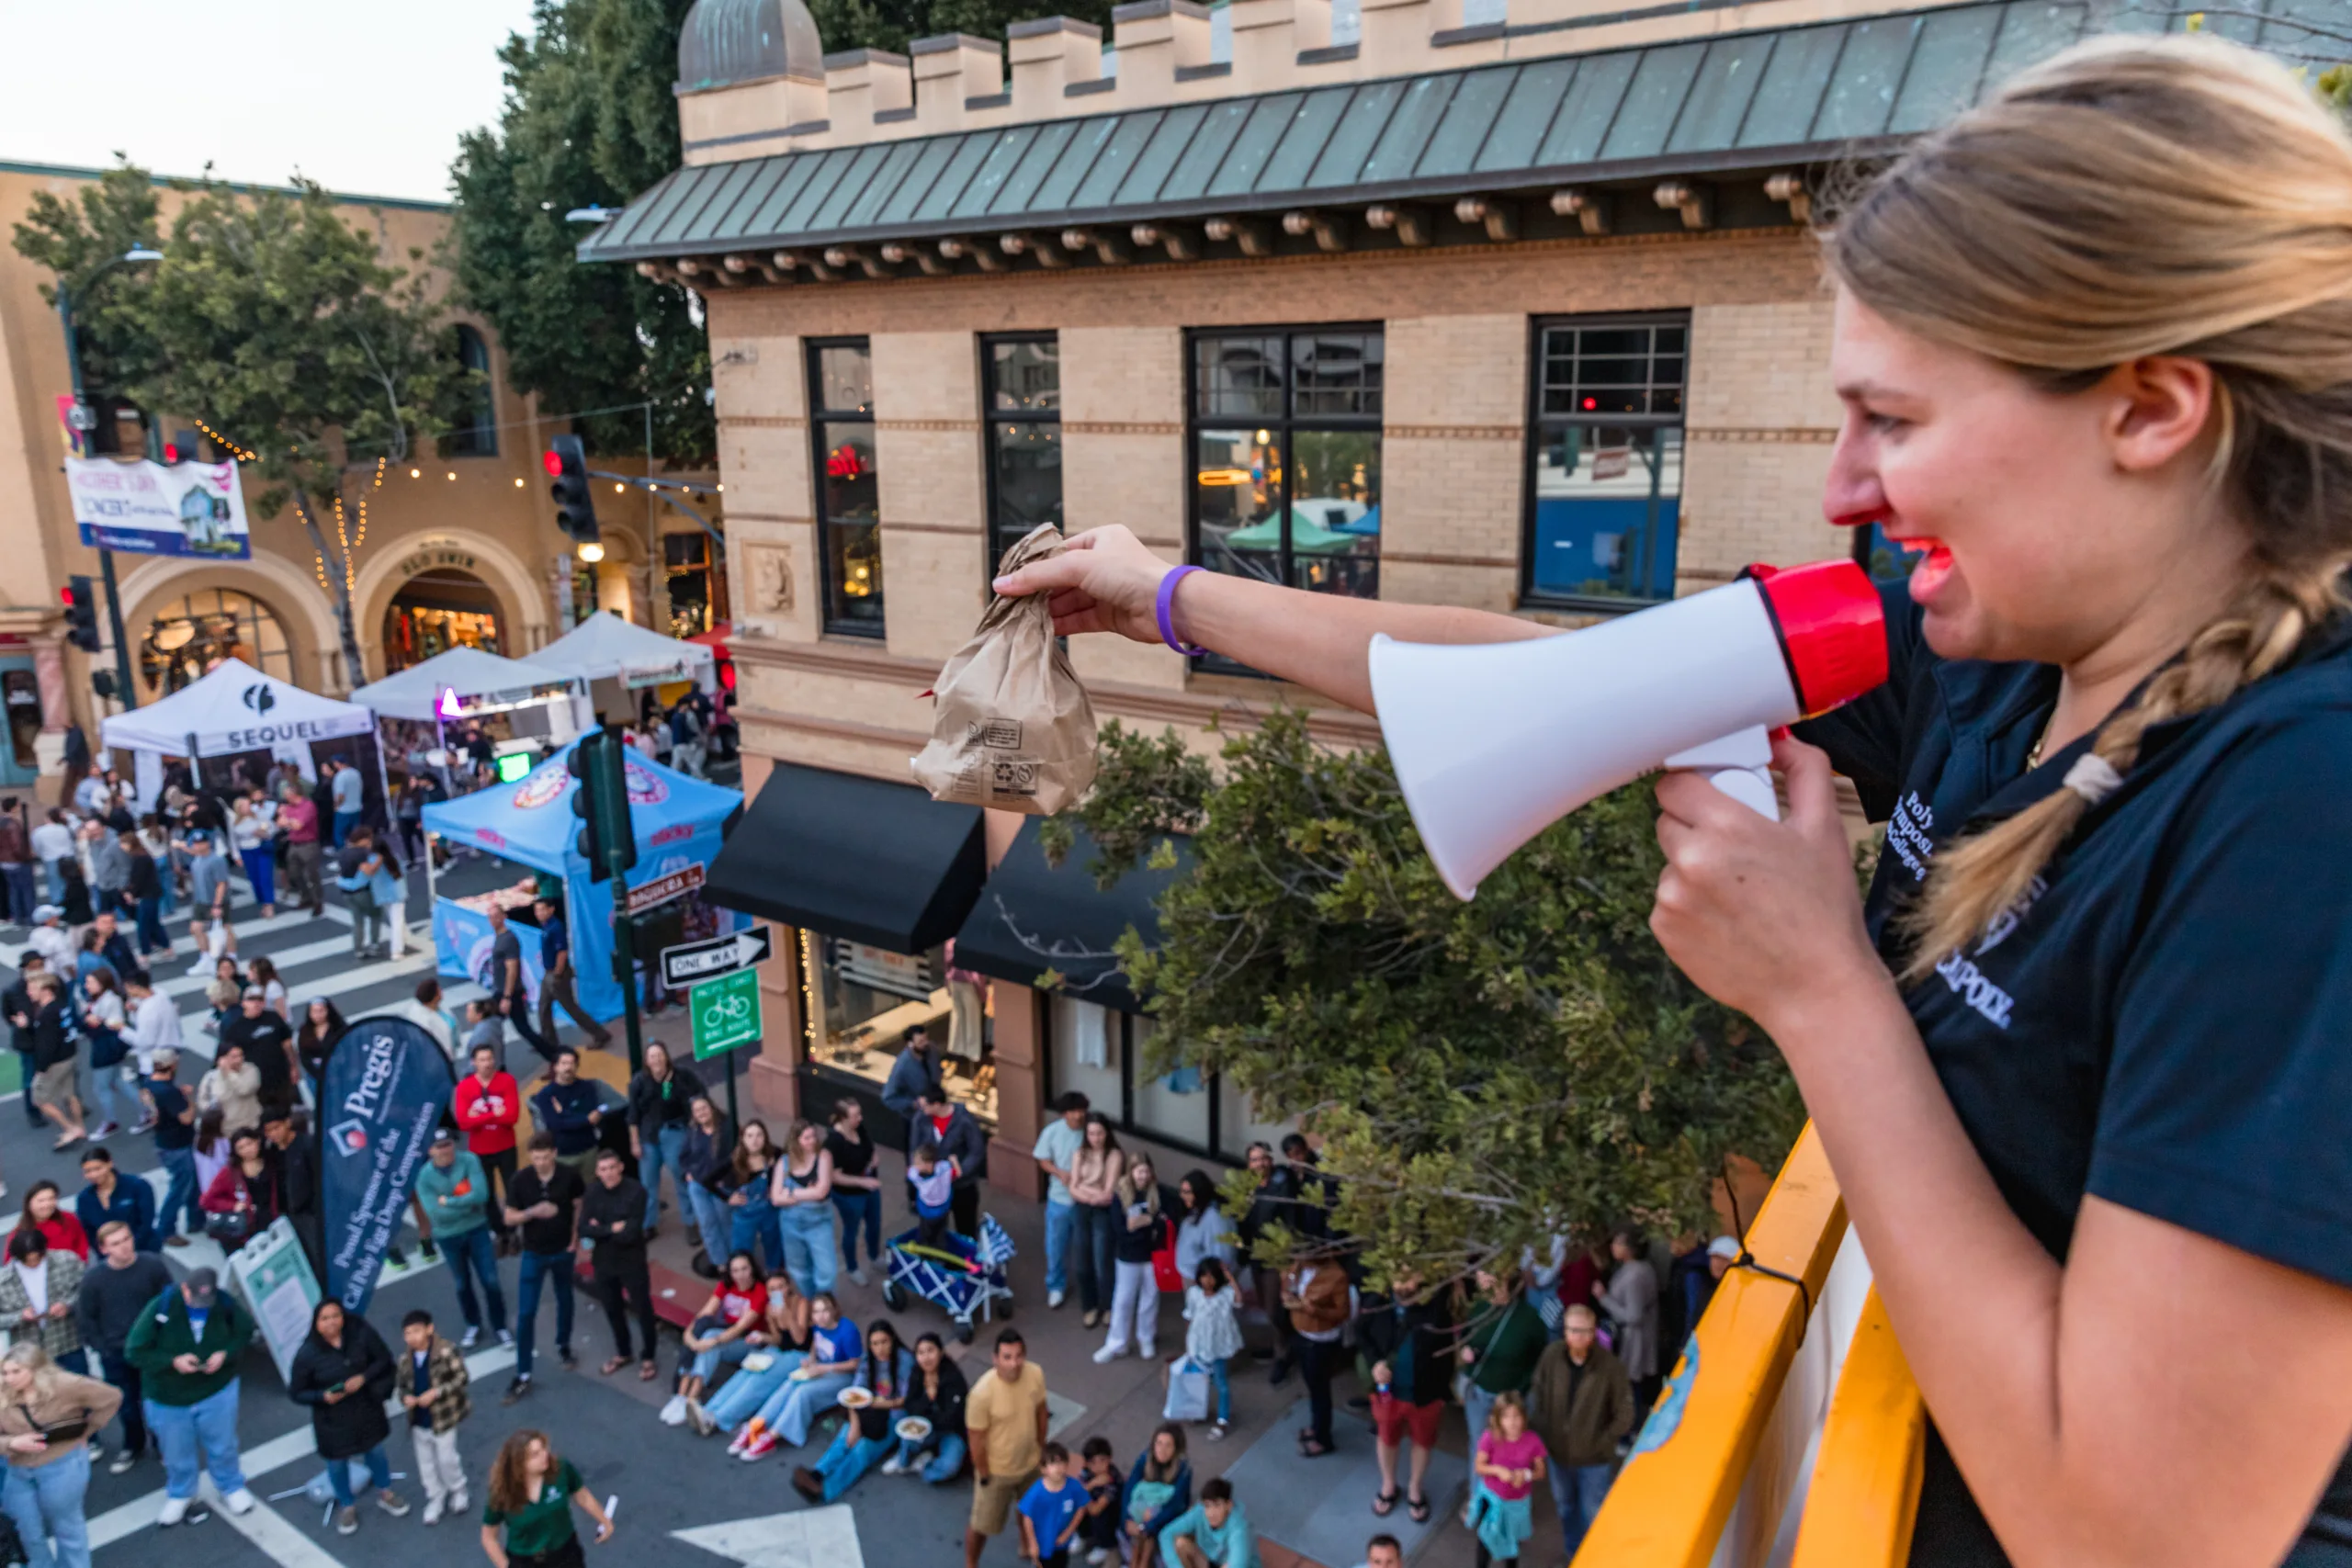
(725, 1012)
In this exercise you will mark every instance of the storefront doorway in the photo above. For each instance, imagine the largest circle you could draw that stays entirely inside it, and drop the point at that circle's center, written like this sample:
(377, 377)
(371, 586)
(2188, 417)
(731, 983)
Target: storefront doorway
(435, 611)
(20, 694)
(189, 637)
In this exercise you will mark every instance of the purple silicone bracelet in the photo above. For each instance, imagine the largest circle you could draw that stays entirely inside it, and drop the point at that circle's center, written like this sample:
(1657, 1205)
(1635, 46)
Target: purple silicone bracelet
(1166, 604)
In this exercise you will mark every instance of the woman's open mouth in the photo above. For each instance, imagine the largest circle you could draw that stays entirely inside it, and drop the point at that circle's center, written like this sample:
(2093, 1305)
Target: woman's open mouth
(1935, 567)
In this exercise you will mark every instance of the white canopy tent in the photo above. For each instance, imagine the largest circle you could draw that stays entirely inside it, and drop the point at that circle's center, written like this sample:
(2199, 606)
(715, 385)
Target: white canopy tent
(233, 708)
(466, 682)
(607, 648)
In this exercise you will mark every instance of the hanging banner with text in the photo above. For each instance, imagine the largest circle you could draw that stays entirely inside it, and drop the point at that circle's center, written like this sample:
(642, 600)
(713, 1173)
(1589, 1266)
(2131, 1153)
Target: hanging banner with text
(380, 1099)
(185, 509)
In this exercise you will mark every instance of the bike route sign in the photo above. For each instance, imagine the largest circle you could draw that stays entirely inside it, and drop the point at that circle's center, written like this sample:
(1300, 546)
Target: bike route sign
(726, 1013)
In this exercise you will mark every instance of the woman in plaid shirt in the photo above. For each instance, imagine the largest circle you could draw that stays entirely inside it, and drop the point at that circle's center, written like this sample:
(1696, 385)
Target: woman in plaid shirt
(36, 1294)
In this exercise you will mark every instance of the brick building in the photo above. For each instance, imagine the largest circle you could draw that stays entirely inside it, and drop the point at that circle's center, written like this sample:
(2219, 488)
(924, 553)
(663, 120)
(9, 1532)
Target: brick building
(1518, 313)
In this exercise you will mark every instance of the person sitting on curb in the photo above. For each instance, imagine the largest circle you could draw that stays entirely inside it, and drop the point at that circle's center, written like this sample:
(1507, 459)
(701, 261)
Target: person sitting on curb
(1215, 1533)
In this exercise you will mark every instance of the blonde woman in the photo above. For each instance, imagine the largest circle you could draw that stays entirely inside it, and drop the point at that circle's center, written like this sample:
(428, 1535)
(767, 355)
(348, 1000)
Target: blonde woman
(2078, 1059)
(47, 1416)
(1142, 1229)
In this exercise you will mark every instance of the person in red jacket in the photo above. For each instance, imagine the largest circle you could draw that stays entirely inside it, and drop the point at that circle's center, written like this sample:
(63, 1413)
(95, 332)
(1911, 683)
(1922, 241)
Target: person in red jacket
(487, 1104)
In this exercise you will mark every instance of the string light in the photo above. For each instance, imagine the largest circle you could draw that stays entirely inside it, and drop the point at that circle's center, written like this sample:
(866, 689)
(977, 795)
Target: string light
(519, 484)
(379, 472)
(240, 454)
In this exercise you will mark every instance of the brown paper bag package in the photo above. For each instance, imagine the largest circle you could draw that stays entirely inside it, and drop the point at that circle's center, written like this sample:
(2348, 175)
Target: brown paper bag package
(1013, 728)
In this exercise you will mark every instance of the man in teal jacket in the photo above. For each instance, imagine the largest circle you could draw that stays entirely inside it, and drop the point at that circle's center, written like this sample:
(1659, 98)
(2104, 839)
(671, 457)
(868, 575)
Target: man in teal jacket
(1213, 1533)
(455, 1190)
(188, 1345)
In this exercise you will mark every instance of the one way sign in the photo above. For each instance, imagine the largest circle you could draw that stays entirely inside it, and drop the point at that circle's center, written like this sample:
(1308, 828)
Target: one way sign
(692, 963)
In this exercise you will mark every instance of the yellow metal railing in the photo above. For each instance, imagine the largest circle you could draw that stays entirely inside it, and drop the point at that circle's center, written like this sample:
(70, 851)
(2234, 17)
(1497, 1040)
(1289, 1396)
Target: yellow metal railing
(1670, 1502)
(1865, 1489)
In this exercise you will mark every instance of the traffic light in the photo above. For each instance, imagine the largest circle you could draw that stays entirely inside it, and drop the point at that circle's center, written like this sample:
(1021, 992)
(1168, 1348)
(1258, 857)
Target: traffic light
(607, 838)
(575, 514)
(80, 613)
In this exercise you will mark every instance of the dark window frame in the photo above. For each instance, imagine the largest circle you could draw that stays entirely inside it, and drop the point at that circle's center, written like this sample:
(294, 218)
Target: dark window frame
(480, 438)
(1122, 1116)
(993, 542)
(820, 416)
(1539, 422)
(1283, 427)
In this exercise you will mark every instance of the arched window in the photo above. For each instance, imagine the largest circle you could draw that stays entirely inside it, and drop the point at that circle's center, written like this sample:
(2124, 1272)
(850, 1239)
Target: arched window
(479, 439)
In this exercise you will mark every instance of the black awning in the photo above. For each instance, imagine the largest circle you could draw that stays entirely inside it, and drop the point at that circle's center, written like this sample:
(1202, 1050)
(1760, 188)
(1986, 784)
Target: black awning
(1032, 917)
(852, 857)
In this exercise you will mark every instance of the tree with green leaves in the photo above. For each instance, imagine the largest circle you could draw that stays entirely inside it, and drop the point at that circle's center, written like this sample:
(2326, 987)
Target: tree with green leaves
(589, 120)
(77, 239)
(1483, 1076)
(278, 324)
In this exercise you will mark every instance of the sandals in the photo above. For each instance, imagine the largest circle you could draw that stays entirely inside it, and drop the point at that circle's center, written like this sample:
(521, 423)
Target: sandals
(648, 1370)
(613, 1365)
(1385, 1505)
(1309, 1449)
(1418, 1509)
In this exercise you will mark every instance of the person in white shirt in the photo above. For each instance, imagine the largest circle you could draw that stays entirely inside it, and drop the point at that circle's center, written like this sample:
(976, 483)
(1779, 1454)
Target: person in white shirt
(93, 796)
(51, 939)
(154, 1025)
(52, 845)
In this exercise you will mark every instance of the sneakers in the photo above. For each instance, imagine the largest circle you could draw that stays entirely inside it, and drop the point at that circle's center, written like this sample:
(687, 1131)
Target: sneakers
(674, 1413)
(174, 1510)
(433, 1510)
(392, 1503)
(468, 1341)
(1098, 1556)
(346, 1521)
(571, 1362)
(1219, 1432)
(1108, 1354)
(859, 1275)
(805, 1482)
(242, 1501)
(893, 1466)
(758, 1447)
(506, 1337)
(107, 1130)
(1055, 1298)
(458, 1506)
(1093, 1319)
(699, 1419)
(746, 1435)
(123, 1460)
(519, 1389)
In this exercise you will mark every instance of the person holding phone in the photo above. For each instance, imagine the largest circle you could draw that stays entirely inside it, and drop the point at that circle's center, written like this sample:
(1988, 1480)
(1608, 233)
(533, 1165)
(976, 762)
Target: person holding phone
(532, 1491)
(47, 1414)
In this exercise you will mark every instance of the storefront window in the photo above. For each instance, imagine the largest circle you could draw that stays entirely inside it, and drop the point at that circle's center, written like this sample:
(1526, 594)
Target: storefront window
(20, 691)
(477, 435)
(197, 633)
(1606, 498)
(1102, 1053)
(686, 559)
(841, 398)
(1238, 1125)
(1286, 456)
(867, 998)
(435, 611)
(1024, 408)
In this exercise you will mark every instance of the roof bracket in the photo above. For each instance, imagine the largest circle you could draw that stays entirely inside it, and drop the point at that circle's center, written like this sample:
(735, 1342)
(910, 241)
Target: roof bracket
(659, 272)
(1046, 251)
(986, 259)
(1110, 246)
(793, 262)
(1252, 235)
(897, 254)
(1176, 241)
(1788, 187)
(843, 257)
(1589, 207)
(1412, 224)
(1501, 218)
(1695, 202)
(1330, 228)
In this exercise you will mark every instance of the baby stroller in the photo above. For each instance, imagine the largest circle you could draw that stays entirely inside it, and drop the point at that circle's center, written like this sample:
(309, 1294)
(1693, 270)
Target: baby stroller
(962, 1279)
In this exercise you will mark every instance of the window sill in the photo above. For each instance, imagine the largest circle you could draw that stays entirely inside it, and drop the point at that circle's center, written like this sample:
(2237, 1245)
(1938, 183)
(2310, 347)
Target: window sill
(859, 633)
(1587, 604)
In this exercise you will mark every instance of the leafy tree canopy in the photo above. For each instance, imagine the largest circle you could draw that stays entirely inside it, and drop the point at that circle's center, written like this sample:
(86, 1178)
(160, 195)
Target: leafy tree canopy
(74, 239)
(1484, 1076)
(589, 120)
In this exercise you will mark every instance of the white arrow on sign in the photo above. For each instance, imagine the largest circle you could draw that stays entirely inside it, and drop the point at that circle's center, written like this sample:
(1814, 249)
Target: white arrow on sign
(808, 1538)
(695, 961)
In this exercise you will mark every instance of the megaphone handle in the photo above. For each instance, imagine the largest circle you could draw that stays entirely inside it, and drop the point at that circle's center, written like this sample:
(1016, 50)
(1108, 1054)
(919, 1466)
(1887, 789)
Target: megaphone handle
(1740, 764)
(1752, 787)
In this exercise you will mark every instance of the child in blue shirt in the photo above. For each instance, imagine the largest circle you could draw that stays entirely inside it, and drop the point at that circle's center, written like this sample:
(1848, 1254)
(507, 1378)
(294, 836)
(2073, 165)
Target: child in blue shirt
(1049, 1510)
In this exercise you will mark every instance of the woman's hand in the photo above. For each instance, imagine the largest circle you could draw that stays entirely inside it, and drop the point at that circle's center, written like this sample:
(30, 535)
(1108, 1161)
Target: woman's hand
(1763, 915)
(1104, 581)
(27, 1443)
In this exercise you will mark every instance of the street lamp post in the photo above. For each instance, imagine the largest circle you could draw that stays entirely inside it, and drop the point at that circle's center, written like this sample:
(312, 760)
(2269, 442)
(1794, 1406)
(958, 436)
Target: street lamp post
(106, 557)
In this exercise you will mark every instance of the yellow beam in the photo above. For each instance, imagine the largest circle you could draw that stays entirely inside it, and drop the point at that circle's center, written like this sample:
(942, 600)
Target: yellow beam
(1865, 1493)
(1669, 1503)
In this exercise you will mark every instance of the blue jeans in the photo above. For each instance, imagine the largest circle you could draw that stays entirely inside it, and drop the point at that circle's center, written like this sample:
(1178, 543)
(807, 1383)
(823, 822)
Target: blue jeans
(46, 1503)
(713, 1218)
(153, 937)
(1061, 1224)
(757, 1231)
(1221, 1377)
(196, 1437)
(57, 881)
(180, 1194)
(473, 1256)
(1098, 1227)
(945, 1464)
(19, 878)
(747, 1392)
(859, 1207)
(706, 1364)
(539, 1267)
(808, 1246)
(1577, 1490)
(261, 873)
(344, 821)
(793, 1408)
(379, 1475)
(109, 1093)
(663, 1148)
(849, 1459)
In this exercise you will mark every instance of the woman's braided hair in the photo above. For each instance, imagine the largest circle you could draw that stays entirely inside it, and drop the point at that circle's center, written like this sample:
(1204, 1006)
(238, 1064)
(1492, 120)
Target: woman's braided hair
(2133, 197)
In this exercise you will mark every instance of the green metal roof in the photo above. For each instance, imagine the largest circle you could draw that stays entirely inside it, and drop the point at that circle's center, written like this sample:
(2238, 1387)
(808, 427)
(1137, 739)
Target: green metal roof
(1746, 101)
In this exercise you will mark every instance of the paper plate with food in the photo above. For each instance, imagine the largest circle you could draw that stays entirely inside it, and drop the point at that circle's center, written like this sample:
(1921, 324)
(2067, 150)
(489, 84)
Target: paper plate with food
(856, 1398)
(914, 1428)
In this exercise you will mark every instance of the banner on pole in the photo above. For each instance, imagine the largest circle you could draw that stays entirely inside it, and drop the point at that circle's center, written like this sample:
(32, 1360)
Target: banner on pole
(183, 509)
(380, 1099)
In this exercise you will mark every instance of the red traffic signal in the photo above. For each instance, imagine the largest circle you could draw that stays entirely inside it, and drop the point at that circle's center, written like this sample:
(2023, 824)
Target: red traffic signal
(553, 463)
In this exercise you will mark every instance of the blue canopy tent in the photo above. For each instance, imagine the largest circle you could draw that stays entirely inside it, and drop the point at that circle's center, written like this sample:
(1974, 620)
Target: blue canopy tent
(680, 821)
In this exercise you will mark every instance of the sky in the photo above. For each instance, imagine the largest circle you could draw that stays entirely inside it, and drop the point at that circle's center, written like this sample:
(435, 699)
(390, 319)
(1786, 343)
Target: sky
(367, 97)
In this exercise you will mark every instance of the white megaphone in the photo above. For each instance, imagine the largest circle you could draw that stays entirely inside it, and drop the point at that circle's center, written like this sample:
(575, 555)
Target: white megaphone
(1493, 742)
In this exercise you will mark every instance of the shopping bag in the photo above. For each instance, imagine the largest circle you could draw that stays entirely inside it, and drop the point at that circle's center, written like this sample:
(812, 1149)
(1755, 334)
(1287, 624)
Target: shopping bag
(1012, 726)
(1188, 1392)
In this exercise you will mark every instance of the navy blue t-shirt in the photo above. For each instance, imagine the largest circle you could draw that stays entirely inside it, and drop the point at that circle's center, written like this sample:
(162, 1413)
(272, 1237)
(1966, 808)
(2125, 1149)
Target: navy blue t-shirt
(551, 942)
(2160, 1023)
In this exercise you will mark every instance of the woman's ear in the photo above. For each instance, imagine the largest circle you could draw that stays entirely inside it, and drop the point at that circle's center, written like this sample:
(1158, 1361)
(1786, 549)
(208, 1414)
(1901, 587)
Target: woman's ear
(2158, 408)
